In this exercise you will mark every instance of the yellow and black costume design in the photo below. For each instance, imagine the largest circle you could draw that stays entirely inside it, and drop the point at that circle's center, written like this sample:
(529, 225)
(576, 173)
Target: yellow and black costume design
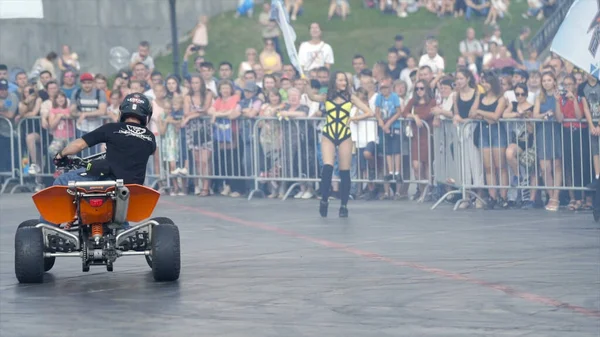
(337, 117)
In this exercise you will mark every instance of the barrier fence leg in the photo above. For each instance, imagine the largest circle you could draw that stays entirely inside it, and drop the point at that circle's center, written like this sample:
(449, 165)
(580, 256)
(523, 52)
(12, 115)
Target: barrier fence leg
(255, 162)
(446, 196)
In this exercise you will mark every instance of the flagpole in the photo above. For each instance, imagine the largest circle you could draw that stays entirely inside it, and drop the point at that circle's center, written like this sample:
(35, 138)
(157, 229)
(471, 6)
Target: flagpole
(280, 15)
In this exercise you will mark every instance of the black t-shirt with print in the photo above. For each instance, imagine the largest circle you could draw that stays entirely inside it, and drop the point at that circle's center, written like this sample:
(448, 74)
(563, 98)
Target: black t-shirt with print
(592, 96)
(128, 148)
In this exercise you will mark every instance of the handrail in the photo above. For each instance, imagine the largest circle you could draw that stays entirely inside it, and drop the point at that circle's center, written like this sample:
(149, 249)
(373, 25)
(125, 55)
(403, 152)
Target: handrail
(542, 39)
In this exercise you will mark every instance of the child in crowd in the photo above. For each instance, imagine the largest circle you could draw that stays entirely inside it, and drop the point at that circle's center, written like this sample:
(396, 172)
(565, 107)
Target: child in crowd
(60, 124)
(364, 135)
(169, 131)
(388, 110)
(200, 35)
(177, 114)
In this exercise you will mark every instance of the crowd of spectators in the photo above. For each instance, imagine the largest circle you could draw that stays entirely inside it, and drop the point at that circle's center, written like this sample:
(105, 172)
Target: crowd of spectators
(491, 10)
(202, 117)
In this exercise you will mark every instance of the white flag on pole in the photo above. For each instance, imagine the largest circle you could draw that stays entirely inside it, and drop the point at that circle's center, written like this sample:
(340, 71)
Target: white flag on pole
(280, 15)
(578, 38)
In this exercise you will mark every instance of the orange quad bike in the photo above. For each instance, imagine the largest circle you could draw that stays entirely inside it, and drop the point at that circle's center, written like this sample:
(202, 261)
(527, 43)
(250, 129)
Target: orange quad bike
(94, 221)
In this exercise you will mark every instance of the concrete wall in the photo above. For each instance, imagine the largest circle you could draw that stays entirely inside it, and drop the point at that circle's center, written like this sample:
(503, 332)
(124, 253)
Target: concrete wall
(92, 27)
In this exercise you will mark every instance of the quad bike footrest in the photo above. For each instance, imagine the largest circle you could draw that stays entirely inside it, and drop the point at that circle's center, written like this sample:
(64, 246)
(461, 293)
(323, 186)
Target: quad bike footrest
(138, 242)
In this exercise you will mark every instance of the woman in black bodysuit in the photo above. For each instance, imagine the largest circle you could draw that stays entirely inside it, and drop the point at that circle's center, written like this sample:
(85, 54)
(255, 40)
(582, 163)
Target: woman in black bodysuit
(336, 134)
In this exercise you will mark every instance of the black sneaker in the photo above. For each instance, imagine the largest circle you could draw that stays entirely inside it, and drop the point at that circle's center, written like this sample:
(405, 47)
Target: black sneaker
(388, 178)
(343, 212)
(490, 204)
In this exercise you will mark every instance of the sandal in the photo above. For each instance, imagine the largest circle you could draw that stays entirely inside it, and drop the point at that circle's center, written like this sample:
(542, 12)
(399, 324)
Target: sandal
(574, 205)
(204, 193)
(552, 205)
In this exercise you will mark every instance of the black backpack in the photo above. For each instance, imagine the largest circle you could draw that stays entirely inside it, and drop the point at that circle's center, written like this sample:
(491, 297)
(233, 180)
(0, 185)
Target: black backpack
(78, 97)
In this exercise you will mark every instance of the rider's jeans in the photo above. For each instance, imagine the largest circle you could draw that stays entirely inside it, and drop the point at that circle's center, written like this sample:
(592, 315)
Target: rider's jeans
(75, 175)
(63, 179)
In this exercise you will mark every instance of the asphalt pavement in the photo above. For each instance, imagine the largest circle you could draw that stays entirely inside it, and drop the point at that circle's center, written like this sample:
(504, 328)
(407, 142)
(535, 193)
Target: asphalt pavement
(275, 268)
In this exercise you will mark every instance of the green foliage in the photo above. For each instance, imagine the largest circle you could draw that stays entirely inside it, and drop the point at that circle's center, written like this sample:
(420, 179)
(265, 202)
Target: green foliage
(365, 31)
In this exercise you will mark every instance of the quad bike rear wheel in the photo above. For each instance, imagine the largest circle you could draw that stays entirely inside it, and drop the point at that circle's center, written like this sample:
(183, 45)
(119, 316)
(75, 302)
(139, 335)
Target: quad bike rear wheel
(48, 261)
(159, 220)
(165, 258)
(29, 255)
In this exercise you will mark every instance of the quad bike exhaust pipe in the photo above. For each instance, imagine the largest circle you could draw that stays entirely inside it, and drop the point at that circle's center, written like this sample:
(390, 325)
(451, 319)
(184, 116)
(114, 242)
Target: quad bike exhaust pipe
(121, 204)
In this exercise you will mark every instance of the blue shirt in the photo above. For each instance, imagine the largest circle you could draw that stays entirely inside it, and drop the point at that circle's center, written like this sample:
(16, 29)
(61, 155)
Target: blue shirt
(388, 107)
(69, 92)
(13, 88)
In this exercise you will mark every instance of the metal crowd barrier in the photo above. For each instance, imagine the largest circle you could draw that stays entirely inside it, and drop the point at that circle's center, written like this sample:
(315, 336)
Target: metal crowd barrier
(513, 159)
(264, 153)
(37, 142)
(211, 153)
(453, 165)
(288, 152)
(7, 165)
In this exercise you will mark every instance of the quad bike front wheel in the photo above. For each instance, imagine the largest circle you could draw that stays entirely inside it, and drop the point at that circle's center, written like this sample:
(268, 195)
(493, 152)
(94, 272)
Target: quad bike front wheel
(48, 261)
(29, 255)
(165, 258)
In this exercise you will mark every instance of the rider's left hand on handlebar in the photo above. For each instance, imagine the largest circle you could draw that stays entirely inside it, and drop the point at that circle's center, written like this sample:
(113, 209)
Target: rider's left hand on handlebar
(61, 161)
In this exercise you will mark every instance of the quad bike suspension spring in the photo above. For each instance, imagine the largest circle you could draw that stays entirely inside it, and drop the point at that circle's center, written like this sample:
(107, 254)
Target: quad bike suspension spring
(97, 230)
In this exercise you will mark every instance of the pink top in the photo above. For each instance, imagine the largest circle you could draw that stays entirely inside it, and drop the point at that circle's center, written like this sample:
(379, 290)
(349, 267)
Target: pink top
(157, 113)
(65, 128)
(230, 103)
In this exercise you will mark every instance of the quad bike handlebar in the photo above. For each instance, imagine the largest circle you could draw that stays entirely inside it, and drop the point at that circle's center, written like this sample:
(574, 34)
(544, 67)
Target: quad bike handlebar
(70, 163)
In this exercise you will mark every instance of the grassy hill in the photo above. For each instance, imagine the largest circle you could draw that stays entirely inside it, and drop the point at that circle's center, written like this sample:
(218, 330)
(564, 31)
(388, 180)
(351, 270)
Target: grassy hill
(366, 31)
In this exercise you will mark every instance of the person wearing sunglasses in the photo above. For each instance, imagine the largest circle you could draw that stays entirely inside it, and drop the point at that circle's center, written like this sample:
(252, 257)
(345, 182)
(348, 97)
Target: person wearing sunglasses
(419, 110)
(521, 143)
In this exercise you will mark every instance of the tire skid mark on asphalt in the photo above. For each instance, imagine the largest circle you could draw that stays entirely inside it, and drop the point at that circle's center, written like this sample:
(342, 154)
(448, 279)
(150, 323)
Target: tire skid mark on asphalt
(530, 297)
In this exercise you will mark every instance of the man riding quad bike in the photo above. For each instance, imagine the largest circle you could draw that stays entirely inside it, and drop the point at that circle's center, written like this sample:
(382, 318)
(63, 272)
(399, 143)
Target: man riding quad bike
(86, 213)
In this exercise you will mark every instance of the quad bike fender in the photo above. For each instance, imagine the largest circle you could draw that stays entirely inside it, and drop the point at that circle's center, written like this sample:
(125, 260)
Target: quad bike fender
(142, 201)
(56, 205)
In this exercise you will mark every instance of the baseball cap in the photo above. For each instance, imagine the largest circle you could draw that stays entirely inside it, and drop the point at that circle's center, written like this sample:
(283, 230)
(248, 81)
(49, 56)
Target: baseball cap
(3, 84)
(86, 77)
(251, 87)
(521, 73)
